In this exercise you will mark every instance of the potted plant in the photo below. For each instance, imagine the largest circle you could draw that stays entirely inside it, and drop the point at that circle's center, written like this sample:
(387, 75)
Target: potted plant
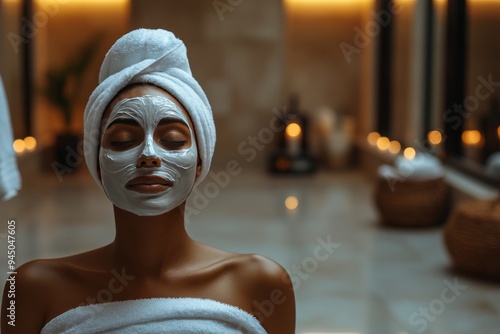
(63, 90)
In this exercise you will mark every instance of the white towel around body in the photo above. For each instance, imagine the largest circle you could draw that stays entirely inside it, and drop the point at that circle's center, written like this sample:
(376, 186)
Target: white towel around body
(156, 315)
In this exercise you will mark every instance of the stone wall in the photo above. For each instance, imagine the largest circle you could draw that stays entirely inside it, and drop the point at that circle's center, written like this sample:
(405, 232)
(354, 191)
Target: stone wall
(236, 53)
(249, 56)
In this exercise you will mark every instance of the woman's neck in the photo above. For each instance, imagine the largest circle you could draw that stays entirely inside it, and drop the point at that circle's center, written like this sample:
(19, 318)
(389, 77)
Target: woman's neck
(150, 246)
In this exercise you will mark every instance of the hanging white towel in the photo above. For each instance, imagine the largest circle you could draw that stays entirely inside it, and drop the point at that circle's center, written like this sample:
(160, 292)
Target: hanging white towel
(156, 315)
(10, 179)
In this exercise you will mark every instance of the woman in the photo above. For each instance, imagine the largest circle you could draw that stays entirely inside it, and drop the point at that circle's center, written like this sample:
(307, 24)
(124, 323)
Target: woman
(149, 139)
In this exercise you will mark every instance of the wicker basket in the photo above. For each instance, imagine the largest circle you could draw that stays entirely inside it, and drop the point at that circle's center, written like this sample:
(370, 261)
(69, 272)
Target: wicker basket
(472, 237)
(412, 203)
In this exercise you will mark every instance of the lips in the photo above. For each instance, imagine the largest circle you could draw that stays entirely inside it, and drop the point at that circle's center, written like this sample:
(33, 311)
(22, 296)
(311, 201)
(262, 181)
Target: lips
(149, 184)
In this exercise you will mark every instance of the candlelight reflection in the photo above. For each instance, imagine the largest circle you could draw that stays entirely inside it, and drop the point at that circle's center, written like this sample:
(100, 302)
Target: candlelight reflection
(291, 203)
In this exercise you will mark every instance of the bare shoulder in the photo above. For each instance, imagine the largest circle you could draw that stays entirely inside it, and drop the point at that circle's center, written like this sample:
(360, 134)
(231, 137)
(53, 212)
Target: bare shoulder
(271, 290)
(252, 269)
(36, 279)
(40, 272)
(265, 278)
(27, 293)
(262, 270)
(260, 286)
(35, 290)
(38, 275)
(255, 272)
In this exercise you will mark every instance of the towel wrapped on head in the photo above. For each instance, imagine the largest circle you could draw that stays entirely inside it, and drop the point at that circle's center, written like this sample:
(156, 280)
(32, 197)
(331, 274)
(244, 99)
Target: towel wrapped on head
(154, 57)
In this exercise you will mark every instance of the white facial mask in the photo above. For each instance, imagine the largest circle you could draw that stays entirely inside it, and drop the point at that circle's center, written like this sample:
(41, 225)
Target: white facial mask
(119, 167)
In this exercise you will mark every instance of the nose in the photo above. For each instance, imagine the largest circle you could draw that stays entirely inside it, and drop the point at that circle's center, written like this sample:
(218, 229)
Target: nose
(148, 162)
(148, 157)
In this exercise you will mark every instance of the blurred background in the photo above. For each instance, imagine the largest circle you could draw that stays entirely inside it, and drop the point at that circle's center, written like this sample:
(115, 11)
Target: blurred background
(358, 144)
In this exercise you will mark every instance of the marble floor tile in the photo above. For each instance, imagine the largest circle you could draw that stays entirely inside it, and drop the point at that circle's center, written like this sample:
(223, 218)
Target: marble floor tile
(370, 280)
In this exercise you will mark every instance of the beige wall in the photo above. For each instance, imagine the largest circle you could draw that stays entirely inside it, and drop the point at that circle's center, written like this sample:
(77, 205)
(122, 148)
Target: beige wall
(260, 52)
(236, 56)
(317, 69)
(70, 27)
(59, 31)
(249, 59)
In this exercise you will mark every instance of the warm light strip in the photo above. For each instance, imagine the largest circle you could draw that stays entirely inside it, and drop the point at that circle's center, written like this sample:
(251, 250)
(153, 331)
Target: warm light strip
(318, 3)
(73, 2)
(86, 2)
(445, 1)
(54, 4)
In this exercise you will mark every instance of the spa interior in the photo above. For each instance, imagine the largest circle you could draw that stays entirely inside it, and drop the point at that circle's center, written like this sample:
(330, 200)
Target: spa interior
(358, 145)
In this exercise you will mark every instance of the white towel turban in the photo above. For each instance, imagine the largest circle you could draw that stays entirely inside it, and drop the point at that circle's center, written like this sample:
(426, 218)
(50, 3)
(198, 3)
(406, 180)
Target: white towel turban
(155, 57)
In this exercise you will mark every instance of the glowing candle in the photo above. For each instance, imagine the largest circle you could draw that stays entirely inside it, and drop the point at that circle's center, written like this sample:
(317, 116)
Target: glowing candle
(472, 141)
(372, 138)
(435, 139)
(19, 146)
(383, 143)
(293, 134)
(30, 143)
(409, 153)
(394, 147)
(471, 138)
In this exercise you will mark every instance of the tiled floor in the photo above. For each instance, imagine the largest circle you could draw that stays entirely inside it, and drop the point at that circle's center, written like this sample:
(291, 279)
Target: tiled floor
(369, 280)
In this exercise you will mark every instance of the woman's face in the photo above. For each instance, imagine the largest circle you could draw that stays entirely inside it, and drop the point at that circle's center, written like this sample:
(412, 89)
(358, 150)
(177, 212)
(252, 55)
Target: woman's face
(148, 155)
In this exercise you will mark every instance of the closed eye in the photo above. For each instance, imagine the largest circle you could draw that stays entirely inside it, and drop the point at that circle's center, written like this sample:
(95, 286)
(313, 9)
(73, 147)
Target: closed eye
(174, 144)
(173, 135)
(122, 136)
(122, 144)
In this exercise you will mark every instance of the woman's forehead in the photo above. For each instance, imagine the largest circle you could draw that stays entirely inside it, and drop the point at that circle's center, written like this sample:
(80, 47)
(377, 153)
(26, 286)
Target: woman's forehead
(142, 90)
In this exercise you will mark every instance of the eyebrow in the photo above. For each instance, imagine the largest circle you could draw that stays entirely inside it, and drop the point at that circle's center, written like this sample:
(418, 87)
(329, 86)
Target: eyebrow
(128, 121)
(169, 120)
